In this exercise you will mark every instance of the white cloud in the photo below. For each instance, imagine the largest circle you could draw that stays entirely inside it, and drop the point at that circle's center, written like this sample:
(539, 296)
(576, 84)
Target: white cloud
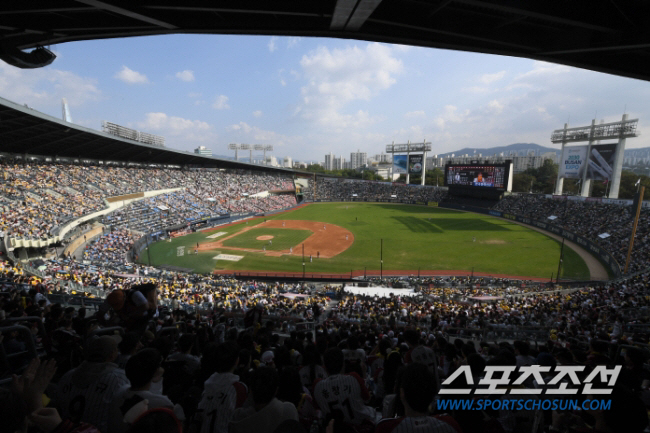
(450, 115)
(273, 43)
(130, 76)
(179, 133)
(475, 89)
(161, 122)
(414, 114)
(43, 88)
(241, 126)
(491, 78)
(544, 69)
(338, 77)
(221, 103)
(292, 41)
(185, 75)
(495, 106)
(257, 113)
(242, 131)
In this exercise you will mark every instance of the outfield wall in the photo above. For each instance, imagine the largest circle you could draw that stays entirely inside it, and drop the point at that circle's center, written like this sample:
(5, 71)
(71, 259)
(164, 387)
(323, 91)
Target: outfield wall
(594, 249)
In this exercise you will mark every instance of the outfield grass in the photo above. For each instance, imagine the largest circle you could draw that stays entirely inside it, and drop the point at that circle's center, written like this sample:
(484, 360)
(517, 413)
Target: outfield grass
(414, 237)
(282, 239)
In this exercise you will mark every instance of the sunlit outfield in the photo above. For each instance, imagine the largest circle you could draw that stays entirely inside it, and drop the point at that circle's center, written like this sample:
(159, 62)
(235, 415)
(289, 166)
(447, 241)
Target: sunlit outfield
(427, 238)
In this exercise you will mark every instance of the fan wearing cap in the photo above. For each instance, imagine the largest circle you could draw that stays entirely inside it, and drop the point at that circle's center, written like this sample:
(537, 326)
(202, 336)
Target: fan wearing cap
(86, 392)
(267, 359)
(419, 353)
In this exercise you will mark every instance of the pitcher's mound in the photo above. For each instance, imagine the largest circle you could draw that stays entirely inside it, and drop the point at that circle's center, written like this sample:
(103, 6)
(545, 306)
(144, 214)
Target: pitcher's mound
(264, 238)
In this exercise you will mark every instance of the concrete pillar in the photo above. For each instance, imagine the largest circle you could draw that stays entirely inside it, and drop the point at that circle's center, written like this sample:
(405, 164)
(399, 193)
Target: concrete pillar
(618, 163)
(408, 152)
(559, 183)
(586, 183)
(424, 165)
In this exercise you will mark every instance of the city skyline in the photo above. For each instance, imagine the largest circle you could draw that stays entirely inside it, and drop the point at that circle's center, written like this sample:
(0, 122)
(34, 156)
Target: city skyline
(307, 96)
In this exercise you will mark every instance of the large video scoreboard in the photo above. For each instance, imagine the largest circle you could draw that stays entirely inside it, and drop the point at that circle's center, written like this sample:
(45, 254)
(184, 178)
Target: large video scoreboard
(479, 176)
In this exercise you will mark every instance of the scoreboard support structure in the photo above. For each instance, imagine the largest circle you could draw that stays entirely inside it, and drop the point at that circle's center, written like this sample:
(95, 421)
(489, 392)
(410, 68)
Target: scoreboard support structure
(575, 160)
(409, 148)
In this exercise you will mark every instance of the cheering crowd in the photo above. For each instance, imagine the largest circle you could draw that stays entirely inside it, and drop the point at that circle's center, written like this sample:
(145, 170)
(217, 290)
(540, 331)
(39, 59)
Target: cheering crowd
(347, 189)
(590, 220)
(109, 248)
(238, 358)
(37, 198)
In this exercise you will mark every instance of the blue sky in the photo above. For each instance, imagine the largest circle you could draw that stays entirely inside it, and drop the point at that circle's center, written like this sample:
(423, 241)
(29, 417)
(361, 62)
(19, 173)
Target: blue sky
(311, 96)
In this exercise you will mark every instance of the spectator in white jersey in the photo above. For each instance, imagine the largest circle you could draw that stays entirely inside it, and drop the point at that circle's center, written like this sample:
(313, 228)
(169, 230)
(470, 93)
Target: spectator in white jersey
(417, 390)
(312, 369)
(223, 392)
(343, 396)
(86, 392)
(266, 412)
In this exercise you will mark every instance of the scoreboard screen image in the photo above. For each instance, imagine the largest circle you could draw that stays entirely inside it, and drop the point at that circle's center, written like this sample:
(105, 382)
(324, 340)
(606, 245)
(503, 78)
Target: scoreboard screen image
(485, 176)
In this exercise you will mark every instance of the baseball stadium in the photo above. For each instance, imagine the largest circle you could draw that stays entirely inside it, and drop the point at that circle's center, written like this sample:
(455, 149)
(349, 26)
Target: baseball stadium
(148, 289)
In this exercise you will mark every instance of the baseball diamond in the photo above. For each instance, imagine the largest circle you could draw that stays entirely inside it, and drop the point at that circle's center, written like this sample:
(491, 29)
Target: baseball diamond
(415, 238)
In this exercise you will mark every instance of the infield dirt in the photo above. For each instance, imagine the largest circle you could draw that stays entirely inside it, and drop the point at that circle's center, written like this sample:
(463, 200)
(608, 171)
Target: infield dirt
(327, 240)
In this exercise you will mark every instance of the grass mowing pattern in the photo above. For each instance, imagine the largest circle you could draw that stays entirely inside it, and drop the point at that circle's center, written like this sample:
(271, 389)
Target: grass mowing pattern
(282, 239)
(414, 237)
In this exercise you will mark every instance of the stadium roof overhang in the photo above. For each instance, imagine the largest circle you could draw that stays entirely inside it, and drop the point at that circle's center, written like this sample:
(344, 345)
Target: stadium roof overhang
(607, 36)
(25, 131)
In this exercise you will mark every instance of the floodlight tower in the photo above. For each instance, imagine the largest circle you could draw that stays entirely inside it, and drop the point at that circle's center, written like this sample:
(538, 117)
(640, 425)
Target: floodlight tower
(264, 148)
(236, 147)
(259, 147)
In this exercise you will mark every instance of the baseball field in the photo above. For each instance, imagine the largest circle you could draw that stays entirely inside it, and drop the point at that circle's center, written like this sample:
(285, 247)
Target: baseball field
(344, 237)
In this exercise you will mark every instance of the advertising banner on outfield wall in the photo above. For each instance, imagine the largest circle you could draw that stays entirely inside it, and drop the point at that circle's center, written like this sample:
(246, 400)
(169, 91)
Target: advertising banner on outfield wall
(415, 164)
(400, 164)
(572, 165)
(601, 161)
